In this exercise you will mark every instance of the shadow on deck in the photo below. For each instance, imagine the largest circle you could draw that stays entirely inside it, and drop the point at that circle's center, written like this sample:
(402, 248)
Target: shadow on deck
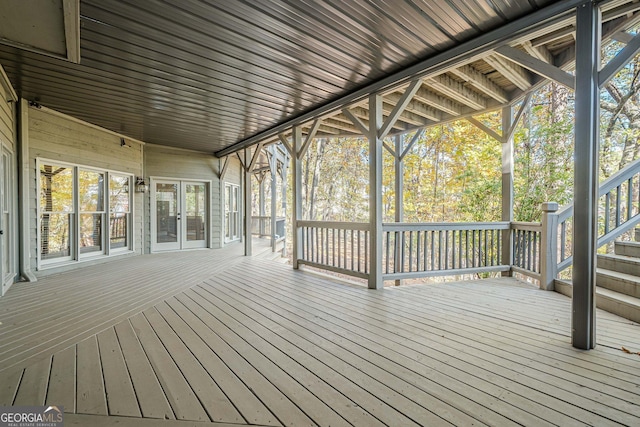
(214, 337)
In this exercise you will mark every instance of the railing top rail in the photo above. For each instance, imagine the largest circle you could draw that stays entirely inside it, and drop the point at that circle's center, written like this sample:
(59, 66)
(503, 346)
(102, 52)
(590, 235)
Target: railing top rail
(521, 225)
(605, 186)
(436, 226)
(341, 225)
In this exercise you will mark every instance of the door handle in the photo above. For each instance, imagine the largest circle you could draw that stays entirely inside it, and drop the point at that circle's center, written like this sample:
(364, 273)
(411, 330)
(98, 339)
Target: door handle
(1, 232)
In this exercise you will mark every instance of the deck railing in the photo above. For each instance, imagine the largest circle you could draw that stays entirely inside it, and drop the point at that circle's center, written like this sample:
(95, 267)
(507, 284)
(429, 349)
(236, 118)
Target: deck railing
(413, 250)
(526, 248)
(342, 247)
(618, 212)
(439, 249)
(261, 226)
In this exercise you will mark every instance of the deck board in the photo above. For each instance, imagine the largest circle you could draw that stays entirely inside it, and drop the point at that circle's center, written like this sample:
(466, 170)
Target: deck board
(121, 399)
(152, 400)
(62, 381)
(239, 341)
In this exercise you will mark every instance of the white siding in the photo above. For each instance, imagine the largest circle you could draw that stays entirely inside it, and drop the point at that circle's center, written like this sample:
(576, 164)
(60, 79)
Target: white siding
(170, 162)
(8, 136)
(57, 137)
(7, 120)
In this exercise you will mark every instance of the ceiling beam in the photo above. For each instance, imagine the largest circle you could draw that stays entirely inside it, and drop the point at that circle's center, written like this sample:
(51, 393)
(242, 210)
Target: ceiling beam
(540, 52)
(458, 91)
(621, 59)
(416, 111)
(480, 82)
(537, 66)
(399, 108)
(512, 72)
(435, 64)
(434, 100)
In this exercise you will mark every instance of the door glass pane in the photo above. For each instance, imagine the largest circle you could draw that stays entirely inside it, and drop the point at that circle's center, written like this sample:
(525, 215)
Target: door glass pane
(166, 212)
(196, 210)
(90, 233)
(6, 250)
(119, 201)
(55, 235)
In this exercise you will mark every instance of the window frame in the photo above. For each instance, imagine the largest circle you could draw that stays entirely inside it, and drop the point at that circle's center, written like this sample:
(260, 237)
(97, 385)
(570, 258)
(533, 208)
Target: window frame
(75, 253)
(233, 233)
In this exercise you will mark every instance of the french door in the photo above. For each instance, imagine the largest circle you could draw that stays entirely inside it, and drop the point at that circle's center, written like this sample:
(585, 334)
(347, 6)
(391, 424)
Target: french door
(7, 272)
(179, 215)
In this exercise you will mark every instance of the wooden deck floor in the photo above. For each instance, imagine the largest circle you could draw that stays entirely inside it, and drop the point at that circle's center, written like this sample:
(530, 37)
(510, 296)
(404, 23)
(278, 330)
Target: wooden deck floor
(255, 342)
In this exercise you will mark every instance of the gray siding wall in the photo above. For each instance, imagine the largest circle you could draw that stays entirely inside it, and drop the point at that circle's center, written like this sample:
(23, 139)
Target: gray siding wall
(8, 135)
(7, 120)
(168, 162)
(54, 136)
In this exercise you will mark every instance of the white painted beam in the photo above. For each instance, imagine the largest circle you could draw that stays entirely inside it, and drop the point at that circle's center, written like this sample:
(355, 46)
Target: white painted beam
(619, 61)
(537, 66)
(480, 82)
(512, 72)
(486, 129)
(399, 108)
(457, 91)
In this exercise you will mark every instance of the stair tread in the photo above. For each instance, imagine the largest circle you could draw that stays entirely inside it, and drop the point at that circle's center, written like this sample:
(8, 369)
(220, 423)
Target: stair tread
(609, 293)
(622, 258)
(621, 243)
(624, 276)
(618, 296)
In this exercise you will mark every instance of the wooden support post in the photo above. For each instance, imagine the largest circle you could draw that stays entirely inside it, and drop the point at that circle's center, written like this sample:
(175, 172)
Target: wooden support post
(587, 126)
(261, 207)
(296, 214)
(375, 192)
(507, 186)
(549, 245)
(247, 203)
(24, 169)
(399, 200)
(274, 197)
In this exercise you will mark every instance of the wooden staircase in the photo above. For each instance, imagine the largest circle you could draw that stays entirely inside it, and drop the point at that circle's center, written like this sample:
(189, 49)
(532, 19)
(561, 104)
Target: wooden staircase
(617, 282)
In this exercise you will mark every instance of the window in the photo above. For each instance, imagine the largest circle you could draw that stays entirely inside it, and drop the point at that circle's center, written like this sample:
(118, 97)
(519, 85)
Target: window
(73, 204)
(119, 211)
(231, 212)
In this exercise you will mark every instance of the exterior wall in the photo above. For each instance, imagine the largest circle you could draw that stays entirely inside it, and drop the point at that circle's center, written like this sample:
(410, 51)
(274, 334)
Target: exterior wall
(55, 136)
(168, 162)
(8, 139)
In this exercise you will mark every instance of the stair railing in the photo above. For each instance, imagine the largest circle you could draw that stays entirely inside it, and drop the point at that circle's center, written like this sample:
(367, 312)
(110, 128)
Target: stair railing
(618, 213)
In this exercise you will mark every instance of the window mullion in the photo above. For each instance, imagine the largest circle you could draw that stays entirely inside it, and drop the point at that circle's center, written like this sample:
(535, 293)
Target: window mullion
(76, 213)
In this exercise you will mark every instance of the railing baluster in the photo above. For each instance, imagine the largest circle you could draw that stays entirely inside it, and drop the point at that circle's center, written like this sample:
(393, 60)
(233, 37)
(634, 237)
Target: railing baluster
(366, 251)
(410, 251)
(629, 198)
(433, 255)
(485, 248)
(418, 247)
(618, 205)
(386, 240)
(453, 248)
(466, 242)
(351, 251)
(359, 268)
(607, 214)
(425, 264)
(402, 243)
(446, 249)
(536, 261)
(460, 249)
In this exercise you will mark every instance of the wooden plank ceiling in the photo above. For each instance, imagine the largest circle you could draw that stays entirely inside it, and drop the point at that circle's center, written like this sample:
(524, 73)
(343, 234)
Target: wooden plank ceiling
(205, 75)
